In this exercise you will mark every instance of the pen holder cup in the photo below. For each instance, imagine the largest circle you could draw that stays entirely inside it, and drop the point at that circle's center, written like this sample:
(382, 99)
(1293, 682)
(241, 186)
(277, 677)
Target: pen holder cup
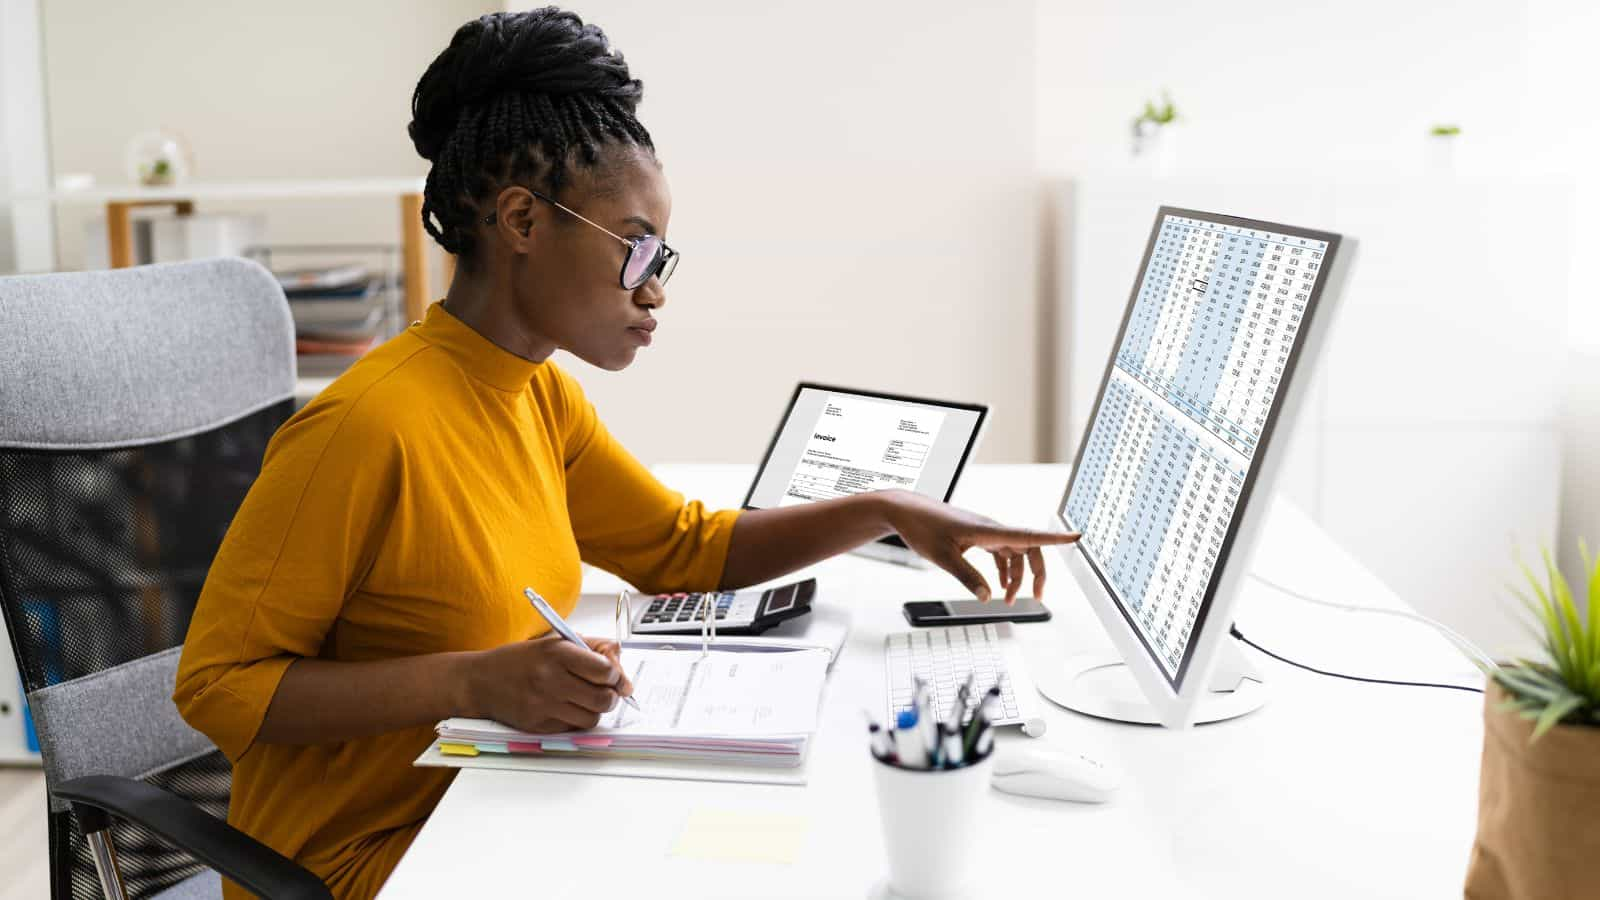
(931, 824)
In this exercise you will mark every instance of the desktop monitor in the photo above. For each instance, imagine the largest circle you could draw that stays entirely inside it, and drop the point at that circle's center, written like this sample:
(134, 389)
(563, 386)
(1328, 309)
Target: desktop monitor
(1174, 474)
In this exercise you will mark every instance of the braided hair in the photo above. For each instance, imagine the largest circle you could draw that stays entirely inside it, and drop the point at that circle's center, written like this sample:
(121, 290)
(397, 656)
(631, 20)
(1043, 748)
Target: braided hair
(517, 97)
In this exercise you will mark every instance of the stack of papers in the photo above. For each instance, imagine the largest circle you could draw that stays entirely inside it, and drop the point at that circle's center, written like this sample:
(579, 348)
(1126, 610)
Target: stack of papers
(752, 709)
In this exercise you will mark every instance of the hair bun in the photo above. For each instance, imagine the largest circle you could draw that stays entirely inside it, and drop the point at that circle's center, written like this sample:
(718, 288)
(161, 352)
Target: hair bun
(543, 51)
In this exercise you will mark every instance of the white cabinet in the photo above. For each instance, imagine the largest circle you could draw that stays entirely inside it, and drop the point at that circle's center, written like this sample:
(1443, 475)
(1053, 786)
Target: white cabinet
(1431, 448)
(14, 743)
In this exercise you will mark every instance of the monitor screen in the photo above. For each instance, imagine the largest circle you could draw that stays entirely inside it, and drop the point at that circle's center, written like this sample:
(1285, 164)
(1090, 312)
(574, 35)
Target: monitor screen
(833, 442)
(1189, 400)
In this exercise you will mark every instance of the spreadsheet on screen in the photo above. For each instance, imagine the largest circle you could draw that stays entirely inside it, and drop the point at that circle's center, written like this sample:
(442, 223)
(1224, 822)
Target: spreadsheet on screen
(1213, 325)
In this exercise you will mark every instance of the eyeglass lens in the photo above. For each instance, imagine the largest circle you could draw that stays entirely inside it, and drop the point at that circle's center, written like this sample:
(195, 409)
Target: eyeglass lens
(644, 260)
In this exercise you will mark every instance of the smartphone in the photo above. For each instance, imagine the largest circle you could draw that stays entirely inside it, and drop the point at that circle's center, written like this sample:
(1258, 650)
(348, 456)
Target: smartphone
(971, 612)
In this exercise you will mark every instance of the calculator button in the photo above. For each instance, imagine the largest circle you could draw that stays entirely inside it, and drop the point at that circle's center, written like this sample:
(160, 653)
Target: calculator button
(721, 614)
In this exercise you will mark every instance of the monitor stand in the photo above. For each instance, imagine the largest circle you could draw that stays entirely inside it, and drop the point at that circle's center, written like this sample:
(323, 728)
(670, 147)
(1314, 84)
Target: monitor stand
(1100, 685)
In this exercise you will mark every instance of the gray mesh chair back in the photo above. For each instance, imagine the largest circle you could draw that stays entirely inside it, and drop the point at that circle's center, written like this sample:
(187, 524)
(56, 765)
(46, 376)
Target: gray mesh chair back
(135, 406)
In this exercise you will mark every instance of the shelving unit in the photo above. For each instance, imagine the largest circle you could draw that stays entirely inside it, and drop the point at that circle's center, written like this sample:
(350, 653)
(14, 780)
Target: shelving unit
(120, 200)
(386, 319)
(413, 248)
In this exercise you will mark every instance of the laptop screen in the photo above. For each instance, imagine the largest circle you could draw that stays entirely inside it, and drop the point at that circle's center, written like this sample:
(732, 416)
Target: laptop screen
(833, 442)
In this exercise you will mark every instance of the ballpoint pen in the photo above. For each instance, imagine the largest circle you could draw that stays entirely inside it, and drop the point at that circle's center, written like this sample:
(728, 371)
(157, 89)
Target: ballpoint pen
(927, 722)
(951, 753)
(980, 719)
(910, 751)
(958, 709)
(562, 628)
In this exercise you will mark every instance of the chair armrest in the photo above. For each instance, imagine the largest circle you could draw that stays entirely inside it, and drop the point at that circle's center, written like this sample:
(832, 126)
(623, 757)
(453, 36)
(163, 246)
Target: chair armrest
(257, 867)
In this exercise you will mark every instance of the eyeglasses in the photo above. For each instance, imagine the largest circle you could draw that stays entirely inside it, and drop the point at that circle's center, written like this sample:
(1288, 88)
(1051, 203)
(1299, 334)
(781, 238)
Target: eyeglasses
(647, 256)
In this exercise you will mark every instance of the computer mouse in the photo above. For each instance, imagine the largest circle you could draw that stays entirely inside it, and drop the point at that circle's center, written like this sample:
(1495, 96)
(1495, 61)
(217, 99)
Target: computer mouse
(1054, 774)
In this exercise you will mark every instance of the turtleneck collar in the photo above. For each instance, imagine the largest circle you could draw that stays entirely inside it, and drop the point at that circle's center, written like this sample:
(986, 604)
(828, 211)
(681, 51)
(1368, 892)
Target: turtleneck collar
(478, 356)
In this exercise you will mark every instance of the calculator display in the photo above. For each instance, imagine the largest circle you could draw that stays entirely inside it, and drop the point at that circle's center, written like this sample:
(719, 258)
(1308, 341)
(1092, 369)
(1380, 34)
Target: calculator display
(780, 599)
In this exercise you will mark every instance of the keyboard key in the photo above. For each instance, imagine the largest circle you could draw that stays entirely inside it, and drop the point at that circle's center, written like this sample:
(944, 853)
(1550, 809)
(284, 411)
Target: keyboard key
(942, 660)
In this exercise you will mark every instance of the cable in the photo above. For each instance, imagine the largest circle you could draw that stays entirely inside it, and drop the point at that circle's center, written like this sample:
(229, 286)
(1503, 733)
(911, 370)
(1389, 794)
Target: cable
(1234, 630)
(1479, 657)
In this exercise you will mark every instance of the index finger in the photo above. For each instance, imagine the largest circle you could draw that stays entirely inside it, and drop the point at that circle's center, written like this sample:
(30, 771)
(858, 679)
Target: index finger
(587, 664)
(1020, 538)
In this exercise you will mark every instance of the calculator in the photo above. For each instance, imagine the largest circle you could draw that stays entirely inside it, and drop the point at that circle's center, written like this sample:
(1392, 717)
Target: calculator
(736, 612)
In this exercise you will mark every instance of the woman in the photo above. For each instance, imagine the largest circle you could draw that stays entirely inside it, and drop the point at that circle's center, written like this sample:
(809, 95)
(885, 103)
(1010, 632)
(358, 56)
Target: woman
(371, 582)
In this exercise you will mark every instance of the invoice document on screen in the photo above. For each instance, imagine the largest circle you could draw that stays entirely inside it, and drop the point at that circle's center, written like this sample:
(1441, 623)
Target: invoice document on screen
(863, 445)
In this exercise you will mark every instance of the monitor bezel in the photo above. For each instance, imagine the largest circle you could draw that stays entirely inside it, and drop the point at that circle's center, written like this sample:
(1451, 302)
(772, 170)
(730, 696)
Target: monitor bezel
(966, 452)
(1261, 461)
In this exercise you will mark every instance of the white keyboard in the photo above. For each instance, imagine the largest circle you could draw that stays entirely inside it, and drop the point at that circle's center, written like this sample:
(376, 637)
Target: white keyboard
(943, 657)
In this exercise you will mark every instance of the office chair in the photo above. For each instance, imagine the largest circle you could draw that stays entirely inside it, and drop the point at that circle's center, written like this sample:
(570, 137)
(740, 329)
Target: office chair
(135, 406)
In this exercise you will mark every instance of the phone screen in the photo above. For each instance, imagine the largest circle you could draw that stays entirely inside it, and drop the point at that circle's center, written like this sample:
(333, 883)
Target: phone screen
(950, 612)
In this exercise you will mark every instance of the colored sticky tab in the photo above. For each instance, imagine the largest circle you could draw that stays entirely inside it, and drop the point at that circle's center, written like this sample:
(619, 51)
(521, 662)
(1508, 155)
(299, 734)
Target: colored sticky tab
(595, 740)
(450, 748)
(523, 747)
(554, 744)
(723, 835)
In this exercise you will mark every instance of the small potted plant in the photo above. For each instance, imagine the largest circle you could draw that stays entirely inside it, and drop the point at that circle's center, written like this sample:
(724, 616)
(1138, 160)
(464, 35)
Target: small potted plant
(1539, 787)
(1442, 141)
(1152, 131)
(157, 159)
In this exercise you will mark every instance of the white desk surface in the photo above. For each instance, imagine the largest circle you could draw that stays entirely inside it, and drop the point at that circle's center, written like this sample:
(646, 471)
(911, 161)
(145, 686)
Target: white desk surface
(1334, 789)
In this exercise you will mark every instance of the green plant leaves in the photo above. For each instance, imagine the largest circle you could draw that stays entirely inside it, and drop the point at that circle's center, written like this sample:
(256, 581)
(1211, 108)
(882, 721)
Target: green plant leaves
(1566, 686)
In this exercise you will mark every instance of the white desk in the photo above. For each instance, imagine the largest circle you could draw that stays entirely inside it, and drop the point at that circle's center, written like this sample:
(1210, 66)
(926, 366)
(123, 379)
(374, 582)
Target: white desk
(1334, 789)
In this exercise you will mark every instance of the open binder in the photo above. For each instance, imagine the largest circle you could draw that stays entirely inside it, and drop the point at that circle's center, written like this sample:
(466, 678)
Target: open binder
(745, 711)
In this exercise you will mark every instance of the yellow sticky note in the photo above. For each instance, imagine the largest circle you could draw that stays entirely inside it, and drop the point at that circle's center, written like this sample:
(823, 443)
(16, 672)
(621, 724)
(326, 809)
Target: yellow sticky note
(725, 835)
(450, 749)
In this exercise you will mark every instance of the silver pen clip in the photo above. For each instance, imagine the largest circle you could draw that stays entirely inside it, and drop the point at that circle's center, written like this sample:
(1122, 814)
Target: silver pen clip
(708, 625)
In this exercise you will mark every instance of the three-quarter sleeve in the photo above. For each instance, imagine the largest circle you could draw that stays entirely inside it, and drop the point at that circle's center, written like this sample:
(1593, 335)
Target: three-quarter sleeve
(302, 540)
(625, 520)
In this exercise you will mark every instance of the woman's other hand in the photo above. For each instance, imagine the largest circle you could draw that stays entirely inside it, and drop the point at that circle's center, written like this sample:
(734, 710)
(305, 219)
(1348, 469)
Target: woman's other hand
(546, 685)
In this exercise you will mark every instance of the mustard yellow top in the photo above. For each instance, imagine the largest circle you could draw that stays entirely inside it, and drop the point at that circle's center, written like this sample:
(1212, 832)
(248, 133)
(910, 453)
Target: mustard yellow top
(402, 512)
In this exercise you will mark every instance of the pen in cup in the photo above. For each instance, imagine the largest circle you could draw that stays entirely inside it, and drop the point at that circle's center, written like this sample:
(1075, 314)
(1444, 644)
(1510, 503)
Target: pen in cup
(909, 748)
(958, 709)
(927, 727)
(560, 626)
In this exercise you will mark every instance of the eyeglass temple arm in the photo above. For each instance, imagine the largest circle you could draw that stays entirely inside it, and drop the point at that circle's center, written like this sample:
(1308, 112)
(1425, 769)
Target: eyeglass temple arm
(557, 204)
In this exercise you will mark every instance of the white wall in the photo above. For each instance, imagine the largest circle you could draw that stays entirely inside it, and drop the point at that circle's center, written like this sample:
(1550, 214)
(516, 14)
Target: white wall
(851, 181)
(1284, 92)
(853, 196)
(1286, 86)
(290, 89)
(26, 241)
(1580, 500)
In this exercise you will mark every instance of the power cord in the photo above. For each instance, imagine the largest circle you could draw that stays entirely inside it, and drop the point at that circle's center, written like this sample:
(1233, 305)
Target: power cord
(1234, 630)
(1461, 643)
(1482, 659)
